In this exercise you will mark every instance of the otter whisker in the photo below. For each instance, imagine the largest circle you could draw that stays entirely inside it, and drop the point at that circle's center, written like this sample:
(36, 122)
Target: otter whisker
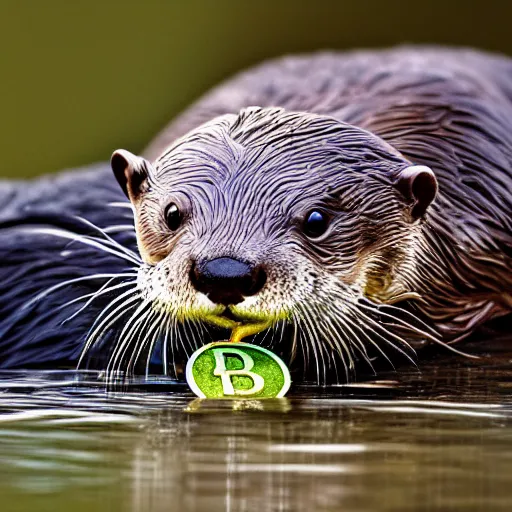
(340, 345)
(165, 329)
(194, 326)
(107, 313)
(191, 337)
(344, 321)
(68, 282)
(314, 341)
(272, 331)
(283, 331)
(367, 304)
(164, 344)
(204, 332)
(265, 341)
(448, 346)
(277, 336)
(185, 337)
(121, 204)
(91, 342)
(265, 336)
(302, 334)
(338, 336)
(92, 297)
(360, 315)
(172, 336)
(317, 341)
(125, 206)
(281, 325)
(106, 244)
(107, 318)
(315, 345)
(310, 345)
(92, 242)
(356, 342)
(120, 228)
(154, 340)
(334, 320)
(174, 346)
(150, 336)
(144, 338)
(420, 332)
(333, 340)
(179, 337)
(131, 330)
(293, 350)
(111, 241)
(335, 350)
(352, 324)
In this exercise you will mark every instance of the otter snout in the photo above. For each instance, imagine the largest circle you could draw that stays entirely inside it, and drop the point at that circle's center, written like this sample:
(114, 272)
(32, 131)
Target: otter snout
(227, 280)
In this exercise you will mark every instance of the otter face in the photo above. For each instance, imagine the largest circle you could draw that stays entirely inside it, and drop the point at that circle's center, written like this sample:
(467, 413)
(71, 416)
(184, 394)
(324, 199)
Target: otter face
(269, 218)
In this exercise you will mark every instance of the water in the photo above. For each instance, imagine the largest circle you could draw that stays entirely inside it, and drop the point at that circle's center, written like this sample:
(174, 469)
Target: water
(439, 439)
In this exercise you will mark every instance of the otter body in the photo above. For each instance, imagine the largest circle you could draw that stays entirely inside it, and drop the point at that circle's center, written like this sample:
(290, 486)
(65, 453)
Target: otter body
(332, 206)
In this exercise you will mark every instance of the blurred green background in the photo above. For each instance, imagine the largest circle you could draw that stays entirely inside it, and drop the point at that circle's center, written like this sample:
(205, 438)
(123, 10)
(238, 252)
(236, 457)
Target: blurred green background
(82, 78)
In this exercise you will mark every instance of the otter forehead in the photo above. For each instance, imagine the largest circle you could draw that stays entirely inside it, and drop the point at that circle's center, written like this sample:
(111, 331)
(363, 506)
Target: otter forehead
(263, 143)
(279, 158)
(248, 183)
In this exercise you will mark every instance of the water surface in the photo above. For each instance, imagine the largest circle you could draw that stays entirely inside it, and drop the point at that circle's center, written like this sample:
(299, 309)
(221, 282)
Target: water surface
(435, 439)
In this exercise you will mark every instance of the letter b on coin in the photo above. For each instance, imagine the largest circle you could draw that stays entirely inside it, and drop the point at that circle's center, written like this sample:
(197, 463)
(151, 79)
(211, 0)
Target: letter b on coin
(237, 370)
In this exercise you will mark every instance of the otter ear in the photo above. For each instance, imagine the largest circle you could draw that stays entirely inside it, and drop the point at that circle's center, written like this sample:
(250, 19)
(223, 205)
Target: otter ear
(131, 171)
(418, 184)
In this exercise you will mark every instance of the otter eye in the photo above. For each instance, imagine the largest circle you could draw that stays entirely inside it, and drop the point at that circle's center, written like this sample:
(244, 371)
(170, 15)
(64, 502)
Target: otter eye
(173, 217)
(315, 224)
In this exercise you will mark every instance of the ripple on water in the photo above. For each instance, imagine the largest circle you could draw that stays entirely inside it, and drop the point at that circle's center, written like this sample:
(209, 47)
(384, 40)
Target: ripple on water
(432, 440)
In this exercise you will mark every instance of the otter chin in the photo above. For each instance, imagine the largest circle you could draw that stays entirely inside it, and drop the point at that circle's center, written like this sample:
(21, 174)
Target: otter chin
(360, 211)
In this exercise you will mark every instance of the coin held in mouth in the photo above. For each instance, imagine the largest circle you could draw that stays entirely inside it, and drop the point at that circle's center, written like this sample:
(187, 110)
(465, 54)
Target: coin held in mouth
(227, 369)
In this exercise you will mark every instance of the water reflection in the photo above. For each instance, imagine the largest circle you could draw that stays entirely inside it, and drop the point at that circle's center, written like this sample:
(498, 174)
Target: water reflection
(324, 456)
(438, 439)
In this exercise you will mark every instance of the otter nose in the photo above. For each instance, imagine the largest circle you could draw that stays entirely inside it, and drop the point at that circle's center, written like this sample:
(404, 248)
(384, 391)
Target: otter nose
(226, 280)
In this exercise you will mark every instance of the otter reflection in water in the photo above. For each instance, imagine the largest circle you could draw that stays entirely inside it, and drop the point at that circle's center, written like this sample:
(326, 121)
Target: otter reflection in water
(336, 208)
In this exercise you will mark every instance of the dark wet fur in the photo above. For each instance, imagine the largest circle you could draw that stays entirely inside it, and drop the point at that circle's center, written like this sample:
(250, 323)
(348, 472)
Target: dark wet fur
(34, 336)
(449, 110)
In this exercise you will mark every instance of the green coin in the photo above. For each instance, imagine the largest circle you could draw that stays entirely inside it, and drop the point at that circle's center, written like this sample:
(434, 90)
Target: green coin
(237, 370)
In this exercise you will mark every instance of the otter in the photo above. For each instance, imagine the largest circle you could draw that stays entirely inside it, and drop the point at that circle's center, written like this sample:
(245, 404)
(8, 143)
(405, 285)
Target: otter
(336, 207)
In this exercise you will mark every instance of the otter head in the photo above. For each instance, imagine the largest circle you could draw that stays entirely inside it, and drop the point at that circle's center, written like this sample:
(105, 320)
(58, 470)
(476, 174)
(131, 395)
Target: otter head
(271, 218)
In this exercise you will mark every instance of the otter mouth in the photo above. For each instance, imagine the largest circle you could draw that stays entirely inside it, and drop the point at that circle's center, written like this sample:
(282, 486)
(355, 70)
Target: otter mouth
(229, 315)
(240, 326)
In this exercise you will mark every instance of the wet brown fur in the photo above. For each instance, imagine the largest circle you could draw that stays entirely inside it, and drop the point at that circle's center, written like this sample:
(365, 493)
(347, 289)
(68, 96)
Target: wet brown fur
(448, 109)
